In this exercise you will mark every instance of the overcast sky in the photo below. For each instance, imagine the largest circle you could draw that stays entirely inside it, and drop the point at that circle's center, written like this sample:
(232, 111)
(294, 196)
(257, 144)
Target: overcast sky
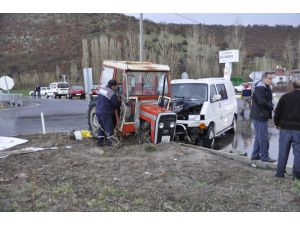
(270, 19)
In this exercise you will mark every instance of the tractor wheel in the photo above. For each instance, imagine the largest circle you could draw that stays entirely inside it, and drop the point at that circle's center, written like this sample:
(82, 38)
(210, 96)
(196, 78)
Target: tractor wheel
(92, 118)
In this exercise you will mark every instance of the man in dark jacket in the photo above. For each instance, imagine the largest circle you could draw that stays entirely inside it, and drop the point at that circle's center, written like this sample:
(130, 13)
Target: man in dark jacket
(107, 102)
(287, 118)
(261, 112)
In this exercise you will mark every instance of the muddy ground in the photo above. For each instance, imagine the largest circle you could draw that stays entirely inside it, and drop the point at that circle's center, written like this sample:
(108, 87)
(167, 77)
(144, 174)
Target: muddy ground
(77, 176)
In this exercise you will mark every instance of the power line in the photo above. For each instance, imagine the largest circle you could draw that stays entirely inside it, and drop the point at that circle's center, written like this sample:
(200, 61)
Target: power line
(185, 17)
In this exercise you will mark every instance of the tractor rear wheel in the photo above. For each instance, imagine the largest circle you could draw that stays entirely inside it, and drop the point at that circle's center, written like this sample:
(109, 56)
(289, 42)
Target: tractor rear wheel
(92, 118)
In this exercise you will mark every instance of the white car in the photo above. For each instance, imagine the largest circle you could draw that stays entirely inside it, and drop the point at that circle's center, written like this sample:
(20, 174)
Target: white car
(58, 89)
(240, 87)
(44, 91)
(205, 108)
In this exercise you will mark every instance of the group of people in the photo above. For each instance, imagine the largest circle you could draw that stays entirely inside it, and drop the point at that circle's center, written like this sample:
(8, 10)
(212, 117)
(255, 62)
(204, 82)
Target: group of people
(286, 118)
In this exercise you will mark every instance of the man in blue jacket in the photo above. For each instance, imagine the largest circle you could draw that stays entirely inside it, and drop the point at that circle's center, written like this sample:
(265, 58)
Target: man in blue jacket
(287, 118)
(107, 103)
(261, 112)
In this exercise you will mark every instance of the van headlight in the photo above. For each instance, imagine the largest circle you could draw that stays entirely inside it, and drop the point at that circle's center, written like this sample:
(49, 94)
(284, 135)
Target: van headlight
(161, 125)
(172, 124)
(194, 117)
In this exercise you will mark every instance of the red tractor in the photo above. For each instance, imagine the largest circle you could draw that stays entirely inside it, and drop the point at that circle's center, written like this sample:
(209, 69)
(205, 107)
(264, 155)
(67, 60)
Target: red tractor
(144, 89)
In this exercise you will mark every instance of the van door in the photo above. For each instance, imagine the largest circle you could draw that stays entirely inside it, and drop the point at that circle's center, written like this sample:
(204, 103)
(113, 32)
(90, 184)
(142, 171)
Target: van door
(213, 111)
(226, 106)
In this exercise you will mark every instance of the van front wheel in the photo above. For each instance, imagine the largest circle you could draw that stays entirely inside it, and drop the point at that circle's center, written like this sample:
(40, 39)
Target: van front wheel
(209, 140)
(233, 125)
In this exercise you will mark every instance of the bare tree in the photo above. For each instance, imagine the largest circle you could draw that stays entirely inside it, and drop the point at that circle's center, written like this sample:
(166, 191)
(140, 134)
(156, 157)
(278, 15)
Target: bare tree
(58, 72)
(265, 63)
(289, 55)
(202, 54)
(168, 51)
(209, 57)
(235, 40)
(85, 54)
(193, 59)
(73, 71)
(151, 55)
(96, 63)
(131, 45)
(298, 55)
(103, 46)
(115, 49)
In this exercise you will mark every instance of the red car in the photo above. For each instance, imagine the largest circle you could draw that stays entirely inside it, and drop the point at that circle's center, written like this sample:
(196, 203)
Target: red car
(94, 91)
(76, 90)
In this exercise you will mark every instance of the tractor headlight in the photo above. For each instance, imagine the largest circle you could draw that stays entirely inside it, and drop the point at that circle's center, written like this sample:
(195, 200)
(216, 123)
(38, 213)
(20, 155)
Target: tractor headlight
(172, 124)
(161, 125)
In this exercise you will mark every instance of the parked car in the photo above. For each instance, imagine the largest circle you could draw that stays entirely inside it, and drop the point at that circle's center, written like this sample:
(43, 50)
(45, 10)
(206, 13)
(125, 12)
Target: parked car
(94, 91)
(44, 91)
(205, 108)
(76, 90)
(240, 88)
(58, 89)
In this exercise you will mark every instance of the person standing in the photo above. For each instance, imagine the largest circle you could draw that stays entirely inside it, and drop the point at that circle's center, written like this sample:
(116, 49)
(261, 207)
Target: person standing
(107, 103)
(38, 91)
(246, 97)
(261, 112)
(287, 119)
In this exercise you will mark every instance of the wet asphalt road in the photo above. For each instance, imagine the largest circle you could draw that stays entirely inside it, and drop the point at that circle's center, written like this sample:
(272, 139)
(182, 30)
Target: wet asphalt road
(242, 141)
(63, 115)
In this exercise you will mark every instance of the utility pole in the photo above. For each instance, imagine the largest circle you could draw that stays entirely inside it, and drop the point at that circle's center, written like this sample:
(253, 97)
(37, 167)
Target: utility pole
(141, 38)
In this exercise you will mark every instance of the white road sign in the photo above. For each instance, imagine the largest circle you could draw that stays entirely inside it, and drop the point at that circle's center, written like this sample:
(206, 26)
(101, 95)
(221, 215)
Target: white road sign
(228, 56)
(6, 83)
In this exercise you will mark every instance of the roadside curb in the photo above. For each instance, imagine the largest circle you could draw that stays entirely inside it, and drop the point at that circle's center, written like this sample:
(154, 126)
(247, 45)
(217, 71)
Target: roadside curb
(243, 159)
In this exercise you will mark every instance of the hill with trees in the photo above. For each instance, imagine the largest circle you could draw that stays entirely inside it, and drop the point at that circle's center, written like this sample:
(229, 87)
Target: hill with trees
(37, 48)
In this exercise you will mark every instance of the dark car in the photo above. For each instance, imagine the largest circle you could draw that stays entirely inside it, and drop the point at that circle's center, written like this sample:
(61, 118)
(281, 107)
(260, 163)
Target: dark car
(76, 90)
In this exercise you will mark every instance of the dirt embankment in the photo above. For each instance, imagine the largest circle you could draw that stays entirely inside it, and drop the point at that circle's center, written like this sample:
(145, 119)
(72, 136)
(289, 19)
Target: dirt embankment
(77, 176)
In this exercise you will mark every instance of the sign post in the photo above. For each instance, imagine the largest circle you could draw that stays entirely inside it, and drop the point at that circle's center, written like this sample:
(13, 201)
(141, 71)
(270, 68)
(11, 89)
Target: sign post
(7, 83)
(88, 81)
(228, 57)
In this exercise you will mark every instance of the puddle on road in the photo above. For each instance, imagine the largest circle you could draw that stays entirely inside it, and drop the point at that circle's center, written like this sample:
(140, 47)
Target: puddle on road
(242, 141)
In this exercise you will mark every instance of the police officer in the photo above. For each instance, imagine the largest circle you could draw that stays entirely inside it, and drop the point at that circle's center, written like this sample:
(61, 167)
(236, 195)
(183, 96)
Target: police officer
(107, 102)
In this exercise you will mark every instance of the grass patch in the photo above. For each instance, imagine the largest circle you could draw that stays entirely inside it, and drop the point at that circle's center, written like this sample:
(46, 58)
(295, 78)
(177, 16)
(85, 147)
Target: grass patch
(139, 201)
(64, 188)
(201, 184)
(24, 92)
(150, 148)
(109, 198)
(296, 186)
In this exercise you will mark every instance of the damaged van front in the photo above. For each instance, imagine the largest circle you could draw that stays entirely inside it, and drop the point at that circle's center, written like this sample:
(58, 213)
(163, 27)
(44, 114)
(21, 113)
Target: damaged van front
(205, 108)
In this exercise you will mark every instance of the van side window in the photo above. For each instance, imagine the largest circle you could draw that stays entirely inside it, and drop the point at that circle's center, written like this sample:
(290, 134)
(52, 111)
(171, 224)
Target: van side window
(222, 91)
(213, 90)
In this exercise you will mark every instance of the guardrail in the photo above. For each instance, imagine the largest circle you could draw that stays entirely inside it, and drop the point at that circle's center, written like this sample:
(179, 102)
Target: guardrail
(17, 100)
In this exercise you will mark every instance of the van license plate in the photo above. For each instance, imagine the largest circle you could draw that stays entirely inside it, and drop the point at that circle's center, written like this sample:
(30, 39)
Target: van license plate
(165, 139)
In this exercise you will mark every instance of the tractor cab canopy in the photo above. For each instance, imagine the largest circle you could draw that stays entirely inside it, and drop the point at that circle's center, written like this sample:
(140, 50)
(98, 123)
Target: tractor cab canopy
(143, 79)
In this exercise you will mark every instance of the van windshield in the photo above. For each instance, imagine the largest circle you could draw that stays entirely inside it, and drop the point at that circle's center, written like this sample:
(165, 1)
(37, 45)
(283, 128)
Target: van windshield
(190, 91)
